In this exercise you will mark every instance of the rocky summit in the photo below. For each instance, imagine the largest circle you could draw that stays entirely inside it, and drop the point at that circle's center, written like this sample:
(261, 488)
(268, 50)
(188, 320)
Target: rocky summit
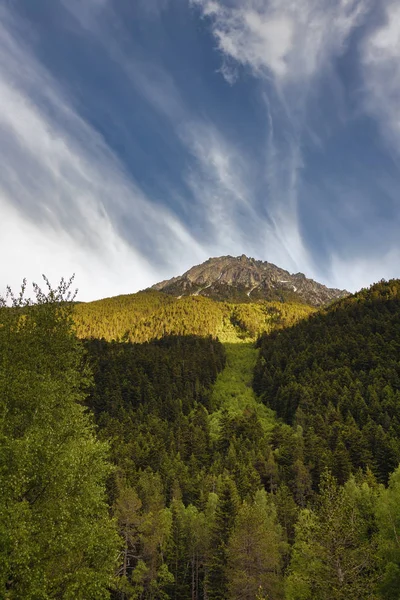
(243, 279)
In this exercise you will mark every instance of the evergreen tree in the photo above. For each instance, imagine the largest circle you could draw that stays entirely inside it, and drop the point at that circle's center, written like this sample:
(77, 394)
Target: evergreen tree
(130, 523)
(254, 551)
(225, 515)
(178, 559)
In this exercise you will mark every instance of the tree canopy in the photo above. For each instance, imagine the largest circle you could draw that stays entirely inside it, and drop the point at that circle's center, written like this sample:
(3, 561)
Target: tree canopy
(57, 539)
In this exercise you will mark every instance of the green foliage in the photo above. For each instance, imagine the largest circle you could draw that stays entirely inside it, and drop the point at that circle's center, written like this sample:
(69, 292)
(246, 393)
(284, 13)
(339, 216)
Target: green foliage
(157, 402)
(255, 551)
(232, 395)
(337, 375)
(388, 516)
(151, 401)
(334, 554)
(217, 579)
(56, 537)
(150, 315)
(221, 490)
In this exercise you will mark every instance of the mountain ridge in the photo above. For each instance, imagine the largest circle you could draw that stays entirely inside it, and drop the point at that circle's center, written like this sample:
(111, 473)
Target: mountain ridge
(244, 279)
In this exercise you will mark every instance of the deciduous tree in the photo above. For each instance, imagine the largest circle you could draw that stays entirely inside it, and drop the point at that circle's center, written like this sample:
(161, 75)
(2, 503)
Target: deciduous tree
(56, 537)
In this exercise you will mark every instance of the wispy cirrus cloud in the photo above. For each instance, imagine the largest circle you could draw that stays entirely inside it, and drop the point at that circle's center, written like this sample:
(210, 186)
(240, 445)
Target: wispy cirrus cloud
(217, 179)
(292, 48)
(223, 193)
(128, 155)
(281, 39)
(63, 193)
(380, 51)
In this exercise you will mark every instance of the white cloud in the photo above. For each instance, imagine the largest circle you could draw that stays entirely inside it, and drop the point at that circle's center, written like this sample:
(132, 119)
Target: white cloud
(289, 46)
(218, 181)
(64, 197)
(258, 41)
(381, 67)
(32, 251)
(224, 194)
(285, 39)
(219, 176)
(358, 272)
(66, 201)
(223, 185)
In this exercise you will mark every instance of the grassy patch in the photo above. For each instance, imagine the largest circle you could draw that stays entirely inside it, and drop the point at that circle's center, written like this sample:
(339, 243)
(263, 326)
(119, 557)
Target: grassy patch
(233, 390)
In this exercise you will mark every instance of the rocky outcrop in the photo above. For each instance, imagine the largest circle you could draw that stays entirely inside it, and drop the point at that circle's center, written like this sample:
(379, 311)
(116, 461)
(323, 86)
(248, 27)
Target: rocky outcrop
(244, 279)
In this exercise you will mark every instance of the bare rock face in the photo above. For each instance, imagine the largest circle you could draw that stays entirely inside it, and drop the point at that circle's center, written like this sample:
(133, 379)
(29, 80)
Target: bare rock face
(244, 279)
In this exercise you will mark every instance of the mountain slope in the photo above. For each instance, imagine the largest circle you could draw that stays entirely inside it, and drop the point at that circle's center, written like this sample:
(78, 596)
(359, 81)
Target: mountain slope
(152, 315)
(337, 375)
(244, 279)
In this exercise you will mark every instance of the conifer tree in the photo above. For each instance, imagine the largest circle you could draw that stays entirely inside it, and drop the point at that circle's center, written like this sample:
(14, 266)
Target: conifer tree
(225, 515)
(254, 551)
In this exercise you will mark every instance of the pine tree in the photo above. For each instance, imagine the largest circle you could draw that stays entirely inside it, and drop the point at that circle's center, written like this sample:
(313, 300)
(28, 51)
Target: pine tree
(225, 515)
(130, 523)
(254, 551)
(177, 555)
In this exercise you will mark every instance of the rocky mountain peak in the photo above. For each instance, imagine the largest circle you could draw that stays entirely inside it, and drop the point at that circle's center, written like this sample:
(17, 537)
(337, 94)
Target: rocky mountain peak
(244, 279)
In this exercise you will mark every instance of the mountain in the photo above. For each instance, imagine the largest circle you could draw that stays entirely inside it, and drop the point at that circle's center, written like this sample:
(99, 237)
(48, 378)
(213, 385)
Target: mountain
(243, 279)
(234, 299)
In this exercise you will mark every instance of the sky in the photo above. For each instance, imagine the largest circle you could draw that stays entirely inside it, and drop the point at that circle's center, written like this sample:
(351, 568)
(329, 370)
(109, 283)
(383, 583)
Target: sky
(139, 138)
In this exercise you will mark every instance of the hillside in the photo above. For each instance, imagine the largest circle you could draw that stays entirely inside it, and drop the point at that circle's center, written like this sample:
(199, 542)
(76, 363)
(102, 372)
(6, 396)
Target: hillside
(185, 430)
(338, 377)
(266, 470)
(151, 315)
(234, 299)
(244, 279)
(239, 470)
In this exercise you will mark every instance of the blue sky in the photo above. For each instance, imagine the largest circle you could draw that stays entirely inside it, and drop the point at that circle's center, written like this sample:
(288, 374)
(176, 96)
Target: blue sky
(140, 138)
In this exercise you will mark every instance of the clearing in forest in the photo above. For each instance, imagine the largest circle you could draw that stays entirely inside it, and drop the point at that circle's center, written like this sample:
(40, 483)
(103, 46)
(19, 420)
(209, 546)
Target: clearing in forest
(233, 392)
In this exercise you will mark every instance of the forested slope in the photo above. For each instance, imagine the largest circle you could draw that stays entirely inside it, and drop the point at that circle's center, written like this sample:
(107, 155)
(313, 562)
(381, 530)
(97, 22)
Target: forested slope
(57, 536)
(338, 377)
(235, 476)
(220, 497)
(192, 457)
(151, 315)
(335, 381)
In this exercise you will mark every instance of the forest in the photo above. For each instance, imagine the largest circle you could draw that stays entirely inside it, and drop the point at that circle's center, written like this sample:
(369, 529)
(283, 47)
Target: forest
(155, 448)
(149, 315)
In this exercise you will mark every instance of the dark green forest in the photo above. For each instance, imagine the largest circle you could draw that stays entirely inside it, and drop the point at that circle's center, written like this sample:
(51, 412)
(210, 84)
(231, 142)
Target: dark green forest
(184, 449)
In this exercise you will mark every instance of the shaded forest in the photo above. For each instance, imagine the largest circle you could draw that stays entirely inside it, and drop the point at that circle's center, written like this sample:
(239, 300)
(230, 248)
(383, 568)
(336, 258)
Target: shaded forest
(337, 376)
